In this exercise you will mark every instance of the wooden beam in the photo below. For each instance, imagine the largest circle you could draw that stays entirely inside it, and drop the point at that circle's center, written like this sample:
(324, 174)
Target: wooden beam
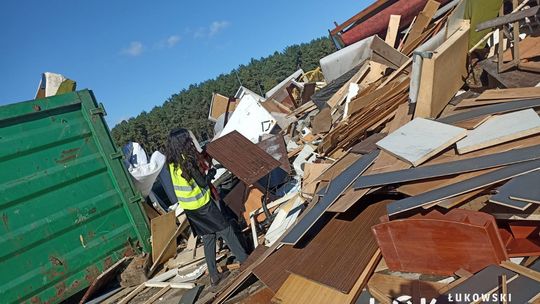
(393, 28)
(422, 21)
(508, 18)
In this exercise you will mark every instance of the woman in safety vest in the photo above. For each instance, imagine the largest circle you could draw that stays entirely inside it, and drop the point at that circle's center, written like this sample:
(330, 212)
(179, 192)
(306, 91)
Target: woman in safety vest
(191, 186)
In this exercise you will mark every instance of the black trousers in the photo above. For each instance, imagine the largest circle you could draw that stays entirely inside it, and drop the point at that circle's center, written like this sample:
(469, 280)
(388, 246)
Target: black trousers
(209, 241)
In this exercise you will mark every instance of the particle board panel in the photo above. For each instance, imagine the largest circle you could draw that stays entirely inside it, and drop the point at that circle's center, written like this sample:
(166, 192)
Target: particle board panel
(491, 110)
(449, 168)
(243, 158)
(474, 243)
(526, 188)
(344, 241)
(522, 186)
(334, 190)
(297, 289)
(482, 282)
(162, 228)
(420, 139)
(499, 129)
(273, 270)
(443, 74)
(463, 186)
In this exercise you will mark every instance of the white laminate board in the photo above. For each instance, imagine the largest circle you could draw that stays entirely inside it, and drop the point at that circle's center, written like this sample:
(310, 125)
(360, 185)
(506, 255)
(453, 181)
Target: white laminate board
(420, 139)
(500, 129)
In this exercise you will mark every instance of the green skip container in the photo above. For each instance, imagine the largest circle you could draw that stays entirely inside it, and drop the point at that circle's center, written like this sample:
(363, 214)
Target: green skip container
(68, 206)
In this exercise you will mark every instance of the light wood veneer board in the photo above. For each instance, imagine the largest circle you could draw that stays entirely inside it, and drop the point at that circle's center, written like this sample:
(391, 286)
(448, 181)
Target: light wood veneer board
(443, 74)
(392, 31)
(449, 168)
(462, 187)
(490, 110)
(300, 290)
(422, 21)
(420, 139)
(469, 103)
(456, 200)
(335, 189)
(390, 287)
(162, 227)
(347, 236)
(386, 54)
(499, 129)
(512, 93)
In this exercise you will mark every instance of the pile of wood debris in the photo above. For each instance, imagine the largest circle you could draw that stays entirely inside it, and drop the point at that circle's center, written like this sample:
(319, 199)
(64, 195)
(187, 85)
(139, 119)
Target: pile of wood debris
(402, 169)
(419, 168)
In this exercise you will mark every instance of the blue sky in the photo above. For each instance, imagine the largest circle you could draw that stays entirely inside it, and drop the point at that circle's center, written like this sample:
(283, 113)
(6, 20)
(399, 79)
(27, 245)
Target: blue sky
(136, 54)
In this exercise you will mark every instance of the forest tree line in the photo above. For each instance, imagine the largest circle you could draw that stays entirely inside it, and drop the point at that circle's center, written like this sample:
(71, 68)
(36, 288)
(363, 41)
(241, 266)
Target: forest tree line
(189, 107)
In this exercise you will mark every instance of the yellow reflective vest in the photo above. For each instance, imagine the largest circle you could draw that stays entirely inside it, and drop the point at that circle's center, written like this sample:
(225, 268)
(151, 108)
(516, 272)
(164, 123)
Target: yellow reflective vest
(190, 195)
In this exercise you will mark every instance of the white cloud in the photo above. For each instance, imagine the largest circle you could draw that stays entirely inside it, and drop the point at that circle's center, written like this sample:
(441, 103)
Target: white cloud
(209, 31)
(173, 40)
(135, 48)
(217, 26)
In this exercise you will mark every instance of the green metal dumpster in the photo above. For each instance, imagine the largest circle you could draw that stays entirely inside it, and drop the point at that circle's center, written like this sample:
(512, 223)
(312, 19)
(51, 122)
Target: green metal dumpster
(68, 207)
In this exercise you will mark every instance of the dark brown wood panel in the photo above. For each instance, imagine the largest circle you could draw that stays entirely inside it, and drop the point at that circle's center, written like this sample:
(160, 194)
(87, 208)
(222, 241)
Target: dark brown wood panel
(340, 251)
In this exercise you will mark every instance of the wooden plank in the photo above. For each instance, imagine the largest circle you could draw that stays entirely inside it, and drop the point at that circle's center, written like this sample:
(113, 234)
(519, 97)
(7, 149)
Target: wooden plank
(420, 139)
(462, 187)
(490, 110)
(389, 55)
(336, 188)
(392, 31)
(499, 129)
(443, 74)
(522, 270)
(158, 294)
(162, 228)
(449, 168)
(300, 290)
(370, 10)
(529, 12)
(347, 236)
(132, 294)
(523, 289)
(470, 103)
(512, 93)
(473, 245)
(422, 21)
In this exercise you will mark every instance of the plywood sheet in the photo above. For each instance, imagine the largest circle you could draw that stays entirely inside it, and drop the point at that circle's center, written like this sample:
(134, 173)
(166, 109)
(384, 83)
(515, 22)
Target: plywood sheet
(441, 244)
(420, 139)
(499, 129)
(462, 187)
(344, 241)
(443, 74)
(162, 228)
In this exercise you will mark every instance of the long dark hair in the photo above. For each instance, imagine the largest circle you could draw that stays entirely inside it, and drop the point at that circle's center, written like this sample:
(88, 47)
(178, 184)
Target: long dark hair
(181, 152)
